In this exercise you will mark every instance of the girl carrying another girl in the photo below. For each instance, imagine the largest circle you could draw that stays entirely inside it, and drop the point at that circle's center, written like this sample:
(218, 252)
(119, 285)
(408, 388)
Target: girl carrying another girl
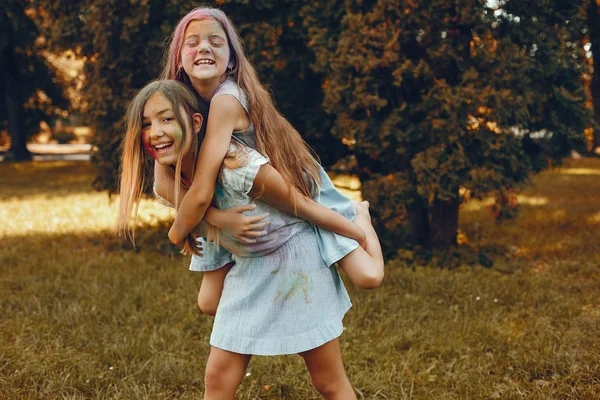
(206, 54)
(279, 297)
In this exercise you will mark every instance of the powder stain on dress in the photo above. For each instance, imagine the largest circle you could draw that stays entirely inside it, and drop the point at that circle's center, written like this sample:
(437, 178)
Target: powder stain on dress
(289, 287)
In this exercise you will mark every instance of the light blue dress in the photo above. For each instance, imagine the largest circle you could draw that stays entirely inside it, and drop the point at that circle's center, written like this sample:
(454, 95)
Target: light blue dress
(332, 246)
(279, 297)
(283, 295)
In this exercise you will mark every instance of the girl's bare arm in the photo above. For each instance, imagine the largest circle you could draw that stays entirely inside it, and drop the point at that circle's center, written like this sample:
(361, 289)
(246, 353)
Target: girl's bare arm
(231, 220)
(270, 187)
(224, 114)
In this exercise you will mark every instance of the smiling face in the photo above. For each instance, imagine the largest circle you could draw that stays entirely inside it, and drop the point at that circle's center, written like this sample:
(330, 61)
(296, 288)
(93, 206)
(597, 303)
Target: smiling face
(162, 133)
(205, 53)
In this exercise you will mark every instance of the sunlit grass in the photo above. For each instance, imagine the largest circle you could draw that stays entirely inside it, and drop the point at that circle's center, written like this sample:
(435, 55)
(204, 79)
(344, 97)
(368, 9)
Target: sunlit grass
(556, 219)
(82, 213)
(579, 171)
(475, 205)
(86, 316)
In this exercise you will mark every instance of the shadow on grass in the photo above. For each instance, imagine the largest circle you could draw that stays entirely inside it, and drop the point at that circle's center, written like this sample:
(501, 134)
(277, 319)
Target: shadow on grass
(84, 316)
(52, 179)
(49, 246)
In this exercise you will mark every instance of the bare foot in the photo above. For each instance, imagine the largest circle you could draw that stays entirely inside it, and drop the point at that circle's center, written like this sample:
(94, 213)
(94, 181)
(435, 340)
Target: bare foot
(362, 210)
(365, 268)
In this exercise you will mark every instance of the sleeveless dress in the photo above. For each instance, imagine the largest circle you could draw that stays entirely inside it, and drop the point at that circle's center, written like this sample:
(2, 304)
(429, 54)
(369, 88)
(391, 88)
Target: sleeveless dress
(332, 247)
(279, 297)
(283, 295)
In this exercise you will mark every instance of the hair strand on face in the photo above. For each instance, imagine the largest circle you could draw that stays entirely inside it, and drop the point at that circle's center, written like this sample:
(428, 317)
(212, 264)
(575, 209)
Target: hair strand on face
(134, 157)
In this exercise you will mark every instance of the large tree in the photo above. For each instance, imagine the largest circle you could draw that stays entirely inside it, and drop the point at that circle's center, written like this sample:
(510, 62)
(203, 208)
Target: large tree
(593, 26)
(431, 96)
(428, 96)
(123, 43)
(29, 86)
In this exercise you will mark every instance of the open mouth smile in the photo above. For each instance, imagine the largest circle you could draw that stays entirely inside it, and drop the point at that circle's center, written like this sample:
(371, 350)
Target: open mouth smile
(162, 147)
(204, 62)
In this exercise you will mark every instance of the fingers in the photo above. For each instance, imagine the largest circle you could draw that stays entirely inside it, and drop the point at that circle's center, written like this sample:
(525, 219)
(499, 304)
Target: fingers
(254, 234)
(258, 226)
(256, 218)
(191, 246)
(245, 239)
(249, 237)
(241, 209)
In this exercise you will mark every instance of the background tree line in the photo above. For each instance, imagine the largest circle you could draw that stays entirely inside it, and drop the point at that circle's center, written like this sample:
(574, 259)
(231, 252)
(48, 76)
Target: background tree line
(417, 98)
(30, 88)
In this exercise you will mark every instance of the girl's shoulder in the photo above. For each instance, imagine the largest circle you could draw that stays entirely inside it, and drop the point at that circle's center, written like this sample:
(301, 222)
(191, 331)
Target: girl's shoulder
(230, 87)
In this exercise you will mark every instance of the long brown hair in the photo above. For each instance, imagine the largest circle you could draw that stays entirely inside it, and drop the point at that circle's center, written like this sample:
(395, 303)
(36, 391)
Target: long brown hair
(134, 157)
(276, 138)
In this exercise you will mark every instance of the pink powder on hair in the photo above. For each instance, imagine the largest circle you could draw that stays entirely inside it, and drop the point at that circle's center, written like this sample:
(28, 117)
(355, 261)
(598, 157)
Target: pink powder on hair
(173, 61)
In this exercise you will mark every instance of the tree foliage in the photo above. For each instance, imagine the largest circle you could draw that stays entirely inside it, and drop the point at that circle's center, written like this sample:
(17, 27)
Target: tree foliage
(426, 96)
(123, 42)
(432, 96)
(593, 29)
(30, 88)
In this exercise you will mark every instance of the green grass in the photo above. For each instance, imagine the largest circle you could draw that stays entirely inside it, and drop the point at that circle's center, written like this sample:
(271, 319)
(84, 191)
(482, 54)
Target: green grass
(85, 316)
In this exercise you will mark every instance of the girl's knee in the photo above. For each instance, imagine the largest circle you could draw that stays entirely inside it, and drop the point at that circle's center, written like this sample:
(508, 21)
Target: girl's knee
(221, 379)
(213, 381)
(330, 386)
(216, 381)
(207, 305)
(366, 277)
(223, 374)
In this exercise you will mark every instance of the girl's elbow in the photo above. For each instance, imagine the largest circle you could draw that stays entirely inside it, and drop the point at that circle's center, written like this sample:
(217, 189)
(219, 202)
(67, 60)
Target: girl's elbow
(371, 281)
(175, 238)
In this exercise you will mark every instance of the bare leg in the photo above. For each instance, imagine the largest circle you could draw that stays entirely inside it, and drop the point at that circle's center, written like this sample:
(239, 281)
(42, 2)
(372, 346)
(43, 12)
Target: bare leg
(327, 371)
(363, 220)
(365, 267)
(211, 288)
(224, 373)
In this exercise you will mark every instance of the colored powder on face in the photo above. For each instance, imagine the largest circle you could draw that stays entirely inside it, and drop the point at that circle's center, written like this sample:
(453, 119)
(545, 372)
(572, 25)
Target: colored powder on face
(178, 137)
(190, 53)
(146, 142)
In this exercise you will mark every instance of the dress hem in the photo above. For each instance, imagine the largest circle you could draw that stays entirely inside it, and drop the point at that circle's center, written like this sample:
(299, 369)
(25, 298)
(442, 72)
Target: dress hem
(295, 344)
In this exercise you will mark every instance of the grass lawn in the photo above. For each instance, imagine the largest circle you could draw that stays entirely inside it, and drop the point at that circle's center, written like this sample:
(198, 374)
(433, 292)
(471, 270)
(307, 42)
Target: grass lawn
(85, 316)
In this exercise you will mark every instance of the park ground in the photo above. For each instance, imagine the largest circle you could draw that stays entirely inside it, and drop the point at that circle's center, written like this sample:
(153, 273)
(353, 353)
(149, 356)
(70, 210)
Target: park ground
(85, 316)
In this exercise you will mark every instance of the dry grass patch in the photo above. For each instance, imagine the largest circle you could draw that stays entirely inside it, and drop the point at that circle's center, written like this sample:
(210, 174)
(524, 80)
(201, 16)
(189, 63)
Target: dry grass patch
(85, 316)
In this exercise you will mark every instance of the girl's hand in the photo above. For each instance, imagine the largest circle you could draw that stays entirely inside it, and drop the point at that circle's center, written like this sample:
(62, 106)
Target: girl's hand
(192, 246)
(242, 227)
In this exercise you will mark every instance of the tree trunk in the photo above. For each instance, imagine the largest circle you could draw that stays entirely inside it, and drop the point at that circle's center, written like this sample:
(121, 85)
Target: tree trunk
(444, 222)
(593, 25)
(419, 222)
(9, 73)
